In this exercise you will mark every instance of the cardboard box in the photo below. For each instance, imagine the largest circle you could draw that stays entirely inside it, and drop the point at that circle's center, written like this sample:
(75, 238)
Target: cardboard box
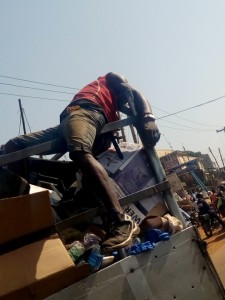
(129, 175)
(37, 269)
(24, 215)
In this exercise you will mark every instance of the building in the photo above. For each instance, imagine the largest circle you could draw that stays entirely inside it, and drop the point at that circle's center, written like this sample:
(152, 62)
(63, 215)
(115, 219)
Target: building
(191, 168)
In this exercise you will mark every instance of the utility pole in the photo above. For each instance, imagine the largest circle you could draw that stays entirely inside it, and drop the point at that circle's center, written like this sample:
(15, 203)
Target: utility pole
(22, 116)
(214, 158)
(221, 158)
(168, 142)
(186, 153)
(223, 129)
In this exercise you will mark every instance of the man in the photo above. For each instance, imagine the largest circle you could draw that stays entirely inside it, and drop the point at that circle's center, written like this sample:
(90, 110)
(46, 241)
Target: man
(204, 208)
(221, 200)
(214, 198)
(80, 124)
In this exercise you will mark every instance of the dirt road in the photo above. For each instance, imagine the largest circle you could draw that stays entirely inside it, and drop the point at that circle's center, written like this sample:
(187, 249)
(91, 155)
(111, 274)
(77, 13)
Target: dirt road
(216, 250)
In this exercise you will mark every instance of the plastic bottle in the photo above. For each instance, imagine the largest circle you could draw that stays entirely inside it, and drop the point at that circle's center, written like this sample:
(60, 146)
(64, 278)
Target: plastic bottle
(76, 251)
(95, 258)
(91, 239)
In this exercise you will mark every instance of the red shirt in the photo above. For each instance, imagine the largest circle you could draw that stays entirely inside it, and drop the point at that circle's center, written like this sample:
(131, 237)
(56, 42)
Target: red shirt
(213, 198)
(98, 92)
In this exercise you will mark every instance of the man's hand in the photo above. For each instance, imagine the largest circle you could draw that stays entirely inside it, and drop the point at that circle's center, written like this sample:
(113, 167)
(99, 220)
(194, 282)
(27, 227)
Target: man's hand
(149, 132)
(152, 133)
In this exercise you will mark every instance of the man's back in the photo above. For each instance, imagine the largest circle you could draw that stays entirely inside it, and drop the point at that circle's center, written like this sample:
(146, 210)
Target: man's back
(203, 206)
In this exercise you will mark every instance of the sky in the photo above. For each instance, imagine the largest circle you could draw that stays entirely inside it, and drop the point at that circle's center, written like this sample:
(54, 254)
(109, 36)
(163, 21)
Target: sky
(171, 51)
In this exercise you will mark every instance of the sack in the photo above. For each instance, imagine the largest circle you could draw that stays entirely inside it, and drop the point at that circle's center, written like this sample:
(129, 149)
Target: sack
(175, 225)
(151, 222)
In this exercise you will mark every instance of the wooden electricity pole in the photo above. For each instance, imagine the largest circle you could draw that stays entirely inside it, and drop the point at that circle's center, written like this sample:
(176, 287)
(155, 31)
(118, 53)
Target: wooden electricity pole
(214, 158)
(22, 116)
(221, 158)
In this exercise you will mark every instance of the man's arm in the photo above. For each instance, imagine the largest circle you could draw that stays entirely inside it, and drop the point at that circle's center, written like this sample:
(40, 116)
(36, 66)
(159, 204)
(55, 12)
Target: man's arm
(127, 94)
(138, 106)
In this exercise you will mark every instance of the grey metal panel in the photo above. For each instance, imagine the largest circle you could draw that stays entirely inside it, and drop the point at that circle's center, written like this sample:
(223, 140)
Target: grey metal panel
(175, 269)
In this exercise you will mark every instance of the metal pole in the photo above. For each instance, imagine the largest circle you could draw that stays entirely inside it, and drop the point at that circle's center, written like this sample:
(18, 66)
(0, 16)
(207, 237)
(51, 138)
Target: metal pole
(22, 117)
(221, 158)
(158, 171)
(214, 158)
(160, 177)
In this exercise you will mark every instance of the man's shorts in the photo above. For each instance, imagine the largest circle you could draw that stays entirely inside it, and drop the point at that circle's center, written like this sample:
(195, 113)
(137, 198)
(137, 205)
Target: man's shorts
(80, 128)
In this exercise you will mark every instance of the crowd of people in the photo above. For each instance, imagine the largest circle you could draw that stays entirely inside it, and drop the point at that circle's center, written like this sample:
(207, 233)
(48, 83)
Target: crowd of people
(211, 203)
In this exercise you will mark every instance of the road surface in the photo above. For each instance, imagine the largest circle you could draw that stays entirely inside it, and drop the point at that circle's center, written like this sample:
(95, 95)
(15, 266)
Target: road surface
(216, 250)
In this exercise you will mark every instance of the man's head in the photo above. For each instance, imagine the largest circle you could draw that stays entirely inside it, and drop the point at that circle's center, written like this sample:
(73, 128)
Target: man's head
(222, 187)
(115, 82)
(198, 195)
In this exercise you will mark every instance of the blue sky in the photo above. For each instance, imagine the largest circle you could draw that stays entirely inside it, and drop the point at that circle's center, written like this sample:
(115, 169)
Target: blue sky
(172, 51)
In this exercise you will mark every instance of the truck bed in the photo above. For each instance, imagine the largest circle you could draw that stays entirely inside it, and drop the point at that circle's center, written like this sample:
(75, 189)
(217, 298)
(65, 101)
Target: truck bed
(179, 268)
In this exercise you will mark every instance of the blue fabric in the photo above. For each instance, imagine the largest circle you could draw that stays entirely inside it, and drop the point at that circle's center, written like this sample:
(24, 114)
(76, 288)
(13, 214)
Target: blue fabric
(156, 235)
(141, 247)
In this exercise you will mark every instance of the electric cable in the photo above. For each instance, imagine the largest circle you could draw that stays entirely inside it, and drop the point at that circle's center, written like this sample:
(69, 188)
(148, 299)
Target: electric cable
(38, 82)
(53, 99)
(179, 117)
(34, 97)
(189, 108)
(33, 88)
(194, 130)
(200, 129)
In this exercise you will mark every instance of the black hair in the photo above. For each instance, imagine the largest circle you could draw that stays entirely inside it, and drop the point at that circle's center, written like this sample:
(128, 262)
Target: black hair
(198, 195)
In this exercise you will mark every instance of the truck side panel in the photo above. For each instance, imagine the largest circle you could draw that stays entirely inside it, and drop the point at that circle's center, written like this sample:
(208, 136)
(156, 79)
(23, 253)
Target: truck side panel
(175, 269)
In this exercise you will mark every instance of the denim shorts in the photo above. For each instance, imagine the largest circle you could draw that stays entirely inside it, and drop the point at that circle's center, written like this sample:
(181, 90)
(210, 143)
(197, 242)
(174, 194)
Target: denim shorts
(80, 127)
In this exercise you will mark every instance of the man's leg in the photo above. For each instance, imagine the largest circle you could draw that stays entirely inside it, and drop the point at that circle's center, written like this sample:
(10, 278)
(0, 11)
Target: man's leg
(20, 167)
(214, 216)
(80, 129)
(122, 229)
(98, 179)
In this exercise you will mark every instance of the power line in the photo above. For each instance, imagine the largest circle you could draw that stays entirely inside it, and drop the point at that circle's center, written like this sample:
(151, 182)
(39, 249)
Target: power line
(63, 100)
(185, 118)
(200, 130)
(38, 82)
(33, 97)
(52, 99)
(33, 88)
(195, 106)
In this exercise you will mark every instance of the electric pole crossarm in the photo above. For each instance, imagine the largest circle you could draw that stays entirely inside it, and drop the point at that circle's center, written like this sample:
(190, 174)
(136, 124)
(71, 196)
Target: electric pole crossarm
(219, 130)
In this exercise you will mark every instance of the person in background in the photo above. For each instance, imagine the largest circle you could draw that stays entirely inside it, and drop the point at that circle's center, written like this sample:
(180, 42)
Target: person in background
(221, 200)
(193, 195)
(204, 208)
(214, 198)
(194, 203)
(81, 121)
